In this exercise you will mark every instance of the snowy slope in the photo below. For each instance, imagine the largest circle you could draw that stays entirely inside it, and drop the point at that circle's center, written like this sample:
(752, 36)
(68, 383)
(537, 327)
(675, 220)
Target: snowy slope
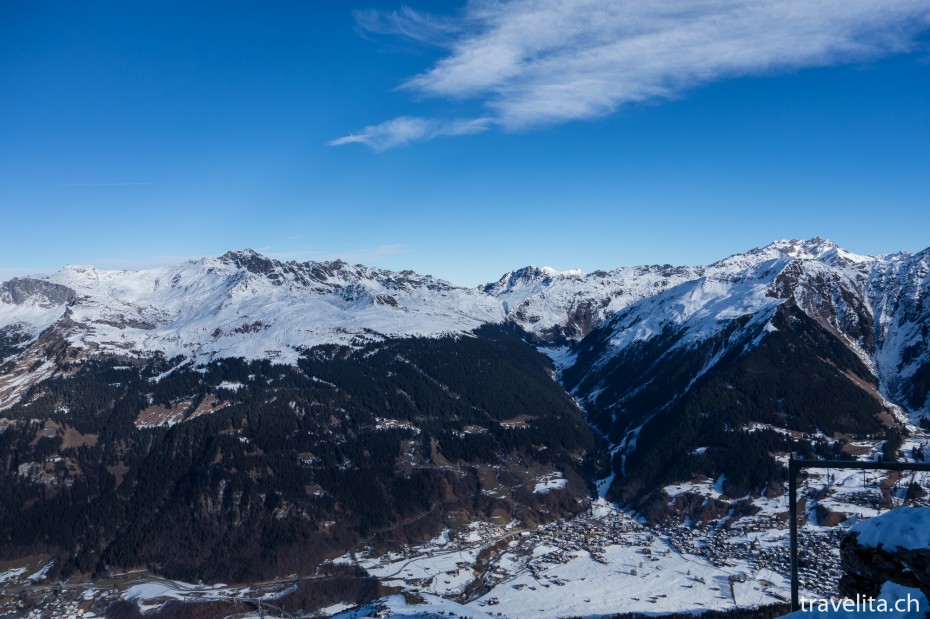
(245, 305)
(878, 306)
(553, 305)
(899, 294)
(731, 343)
(906, 527)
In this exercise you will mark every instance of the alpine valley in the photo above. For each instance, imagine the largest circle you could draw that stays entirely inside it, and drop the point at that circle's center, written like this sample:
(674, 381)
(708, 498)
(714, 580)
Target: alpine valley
(338, 438)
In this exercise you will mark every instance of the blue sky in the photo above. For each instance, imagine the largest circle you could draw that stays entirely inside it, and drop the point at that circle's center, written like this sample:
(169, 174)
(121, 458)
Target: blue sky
(465, 143)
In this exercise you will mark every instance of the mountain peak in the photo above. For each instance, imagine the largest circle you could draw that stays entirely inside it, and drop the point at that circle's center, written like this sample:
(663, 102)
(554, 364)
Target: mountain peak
(816, 248)
(241, 254)
(798, 248)
(567, 273)
(251, 261)
(530, 275)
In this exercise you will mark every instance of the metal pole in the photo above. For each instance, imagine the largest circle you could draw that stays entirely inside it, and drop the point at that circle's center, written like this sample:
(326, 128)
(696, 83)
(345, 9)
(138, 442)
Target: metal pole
(793, 520)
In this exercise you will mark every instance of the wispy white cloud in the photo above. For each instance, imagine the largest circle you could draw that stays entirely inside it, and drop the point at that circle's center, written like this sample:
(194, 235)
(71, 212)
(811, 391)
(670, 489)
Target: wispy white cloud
(541, 62)
(411, 24)
(405, 129)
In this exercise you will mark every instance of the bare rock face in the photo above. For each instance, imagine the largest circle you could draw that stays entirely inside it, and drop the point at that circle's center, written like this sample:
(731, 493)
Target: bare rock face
(867, 564)
(45, 294)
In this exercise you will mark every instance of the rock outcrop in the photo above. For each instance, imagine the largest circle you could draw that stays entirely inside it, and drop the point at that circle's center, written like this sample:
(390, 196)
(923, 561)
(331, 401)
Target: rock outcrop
(893, 547)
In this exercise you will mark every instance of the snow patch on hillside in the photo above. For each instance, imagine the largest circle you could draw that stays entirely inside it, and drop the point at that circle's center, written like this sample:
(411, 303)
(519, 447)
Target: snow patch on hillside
(552, 481)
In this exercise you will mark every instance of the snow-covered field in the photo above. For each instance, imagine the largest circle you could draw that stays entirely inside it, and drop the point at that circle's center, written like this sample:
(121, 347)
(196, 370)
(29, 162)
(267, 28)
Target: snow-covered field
(152, 594)
(624, 580)
(606, 562)
(603, 562)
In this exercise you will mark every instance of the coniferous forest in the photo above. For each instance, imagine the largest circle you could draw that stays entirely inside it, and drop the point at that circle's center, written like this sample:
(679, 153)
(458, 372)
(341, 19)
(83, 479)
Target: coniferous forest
(290, 465)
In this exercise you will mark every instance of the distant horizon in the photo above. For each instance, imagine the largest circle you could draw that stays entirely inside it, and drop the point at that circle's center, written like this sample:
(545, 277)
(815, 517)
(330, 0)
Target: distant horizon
(110, 264)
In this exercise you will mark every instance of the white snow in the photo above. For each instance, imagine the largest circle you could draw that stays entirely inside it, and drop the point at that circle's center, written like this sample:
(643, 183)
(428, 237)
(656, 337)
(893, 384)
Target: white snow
(430, 567)
(209, 308)
(702, 308)
(552, 571)
(418, 605)
(338, 607)
(395, 424)
(543, 299)
(552, 481)
(591, 588)
(41, 574)
(562, 356)
(11, 574)
(850, 294)
(146, 592)
(905, 527)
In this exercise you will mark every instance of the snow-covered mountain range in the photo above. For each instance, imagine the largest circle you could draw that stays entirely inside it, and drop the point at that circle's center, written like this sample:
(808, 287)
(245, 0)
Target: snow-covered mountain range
(215, 403)
(243, 304)
(555, 305)
(878, 306)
